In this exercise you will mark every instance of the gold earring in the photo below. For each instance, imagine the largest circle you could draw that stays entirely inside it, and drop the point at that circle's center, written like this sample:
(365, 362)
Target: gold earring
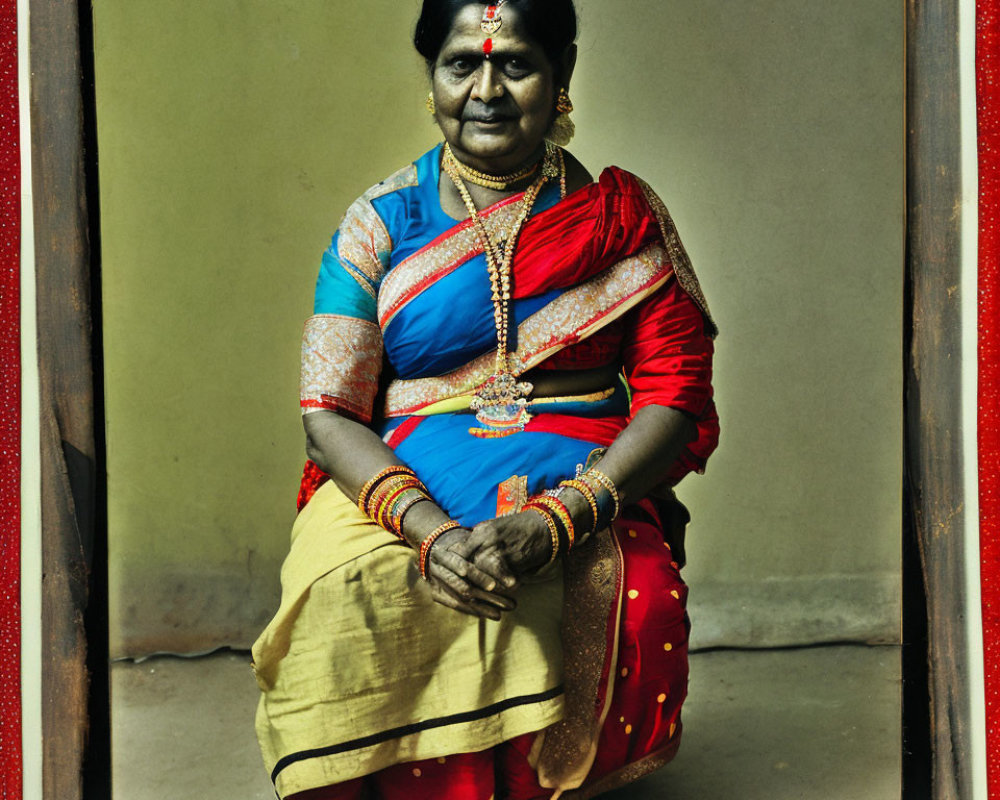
(429, 103)
(563, 104)
(562, 129)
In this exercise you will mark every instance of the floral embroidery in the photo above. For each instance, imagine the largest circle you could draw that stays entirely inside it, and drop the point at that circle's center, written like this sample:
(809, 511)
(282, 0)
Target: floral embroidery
(364, 241)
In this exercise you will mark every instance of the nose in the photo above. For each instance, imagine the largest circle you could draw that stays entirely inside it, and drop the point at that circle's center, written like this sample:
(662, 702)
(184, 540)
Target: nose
(487, 87)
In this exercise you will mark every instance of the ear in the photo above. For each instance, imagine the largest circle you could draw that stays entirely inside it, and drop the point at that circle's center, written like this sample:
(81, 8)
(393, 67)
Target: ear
(568, 64)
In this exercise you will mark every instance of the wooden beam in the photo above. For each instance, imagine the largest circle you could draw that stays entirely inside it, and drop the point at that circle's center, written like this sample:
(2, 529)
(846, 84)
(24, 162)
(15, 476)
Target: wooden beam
(69, 475)
(934, 454)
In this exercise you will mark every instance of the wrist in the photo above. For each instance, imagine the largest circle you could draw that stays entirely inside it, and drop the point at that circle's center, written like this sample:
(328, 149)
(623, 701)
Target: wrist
(557, 520)
(420, 520)
(428, 542)
(578, 507)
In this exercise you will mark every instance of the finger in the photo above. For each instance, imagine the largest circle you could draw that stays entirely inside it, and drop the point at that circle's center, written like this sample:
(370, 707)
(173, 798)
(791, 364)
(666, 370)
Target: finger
(502, 601)
(485, 534)
(443, 598)
(463, 548)
(467, 593)
(444, 595)
(454, 582)
(465, 569)
(492, 562)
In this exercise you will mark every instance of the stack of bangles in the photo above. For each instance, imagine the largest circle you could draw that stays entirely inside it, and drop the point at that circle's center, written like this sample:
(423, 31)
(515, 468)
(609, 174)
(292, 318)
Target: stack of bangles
(387, 497)
(601, 495)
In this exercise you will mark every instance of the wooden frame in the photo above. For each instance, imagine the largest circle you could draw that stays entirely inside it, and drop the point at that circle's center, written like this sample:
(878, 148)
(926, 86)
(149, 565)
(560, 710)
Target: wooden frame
(934, 458)
(72, 460)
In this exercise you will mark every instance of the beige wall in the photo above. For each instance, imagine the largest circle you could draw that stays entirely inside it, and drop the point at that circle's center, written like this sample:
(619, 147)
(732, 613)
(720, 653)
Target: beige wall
(232, 136)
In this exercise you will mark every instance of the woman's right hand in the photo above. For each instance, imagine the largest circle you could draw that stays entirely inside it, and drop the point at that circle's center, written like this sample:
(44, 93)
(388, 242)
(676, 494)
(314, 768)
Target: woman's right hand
(459, 584)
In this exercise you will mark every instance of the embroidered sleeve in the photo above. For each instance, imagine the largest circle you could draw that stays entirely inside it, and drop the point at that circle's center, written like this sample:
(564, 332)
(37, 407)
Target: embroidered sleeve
(342, 342)
(341, 362)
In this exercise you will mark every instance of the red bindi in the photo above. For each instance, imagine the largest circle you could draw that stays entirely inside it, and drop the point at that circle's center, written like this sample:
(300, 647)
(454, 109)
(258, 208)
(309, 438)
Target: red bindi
(487, 47)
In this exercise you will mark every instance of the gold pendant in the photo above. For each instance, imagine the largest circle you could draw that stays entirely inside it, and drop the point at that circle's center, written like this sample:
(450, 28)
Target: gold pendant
(501, 406)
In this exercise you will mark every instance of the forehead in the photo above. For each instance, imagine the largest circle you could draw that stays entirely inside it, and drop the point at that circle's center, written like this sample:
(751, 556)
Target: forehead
(466, 33)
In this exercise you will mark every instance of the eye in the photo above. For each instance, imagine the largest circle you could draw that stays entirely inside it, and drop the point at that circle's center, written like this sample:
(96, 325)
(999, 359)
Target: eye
(517, 67)
(461, 65)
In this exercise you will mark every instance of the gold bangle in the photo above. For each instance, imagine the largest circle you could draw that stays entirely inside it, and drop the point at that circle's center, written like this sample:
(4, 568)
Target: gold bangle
(385, 491)
(387, 488)
(609, 486)
(558, 508)
(407, 500)
(545, 513)
(588, 494)
(428, 542)
(386, 502)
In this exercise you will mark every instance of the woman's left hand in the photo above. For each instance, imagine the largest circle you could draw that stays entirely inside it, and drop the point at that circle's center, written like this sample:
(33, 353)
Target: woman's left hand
(510, 546)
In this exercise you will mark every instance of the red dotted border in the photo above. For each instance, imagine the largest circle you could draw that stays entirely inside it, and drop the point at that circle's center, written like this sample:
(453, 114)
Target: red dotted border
(10, 409)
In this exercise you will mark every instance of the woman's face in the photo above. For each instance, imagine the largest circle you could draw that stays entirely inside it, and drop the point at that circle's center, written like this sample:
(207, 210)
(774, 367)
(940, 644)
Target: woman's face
(493, 112)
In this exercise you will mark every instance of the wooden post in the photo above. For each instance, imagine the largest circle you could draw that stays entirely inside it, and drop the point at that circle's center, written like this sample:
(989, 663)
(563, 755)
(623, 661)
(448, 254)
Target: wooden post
(934, 447)
(68, 464)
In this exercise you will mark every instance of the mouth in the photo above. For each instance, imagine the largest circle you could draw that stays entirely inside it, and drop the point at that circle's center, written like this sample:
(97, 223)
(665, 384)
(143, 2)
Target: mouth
(492, 119)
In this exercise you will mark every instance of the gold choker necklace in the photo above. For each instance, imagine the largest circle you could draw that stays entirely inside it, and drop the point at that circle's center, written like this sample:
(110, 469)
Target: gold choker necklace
(500, 183)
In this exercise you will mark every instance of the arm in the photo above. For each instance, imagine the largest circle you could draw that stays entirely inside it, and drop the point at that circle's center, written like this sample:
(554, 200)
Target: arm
(636, 461)
(667, 359)
(342, 354)
(351, 453)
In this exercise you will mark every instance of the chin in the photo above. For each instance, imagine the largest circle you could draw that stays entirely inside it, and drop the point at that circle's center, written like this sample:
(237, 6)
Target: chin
(499, 147)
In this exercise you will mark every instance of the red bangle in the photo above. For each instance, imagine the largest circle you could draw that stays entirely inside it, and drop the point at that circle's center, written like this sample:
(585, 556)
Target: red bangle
(366, 490)
(561, 513)
(407, 500)
(428, 542)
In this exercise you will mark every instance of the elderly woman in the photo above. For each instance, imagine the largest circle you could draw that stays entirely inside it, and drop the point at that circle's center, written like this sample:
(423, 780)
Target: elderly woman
(507, 370)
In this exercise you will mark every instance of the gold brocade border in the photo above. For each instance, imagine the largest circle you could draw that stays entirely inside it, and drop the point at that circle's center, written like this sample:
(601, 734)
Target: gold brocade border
(678, 255)
(413, 274)
(364, 240)
(341, 362)
(630, 772)
(593, 580)
(572, 316)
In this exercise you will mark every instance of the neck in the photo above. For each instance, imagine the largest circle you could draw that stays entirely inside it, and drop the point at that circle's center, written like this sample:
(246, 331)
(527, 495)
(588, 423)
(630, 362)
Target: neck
(497, 171)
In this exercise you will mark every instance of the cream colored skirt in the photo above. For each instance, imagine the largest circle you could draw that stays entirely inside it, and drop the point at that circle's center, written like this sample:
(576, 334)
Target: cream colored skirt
(361, 670)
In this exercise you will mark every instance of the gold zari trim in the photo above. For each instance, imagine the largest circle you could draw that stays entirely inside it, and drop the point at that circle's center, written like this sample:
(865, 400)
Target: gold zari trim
(341, 363)
(678, 255)
(572, 316)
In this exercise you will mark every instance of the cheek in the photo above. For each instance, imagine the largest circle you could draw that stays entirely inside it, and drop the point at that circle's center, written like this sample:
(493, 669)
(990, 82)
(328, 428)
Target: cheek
(537, 101)
(538, 114)
(450, 100)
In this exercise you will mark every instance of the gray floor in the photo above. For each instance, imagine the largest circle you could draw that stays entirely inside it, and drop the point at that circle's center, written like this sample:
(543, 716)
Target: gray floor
(758, 725)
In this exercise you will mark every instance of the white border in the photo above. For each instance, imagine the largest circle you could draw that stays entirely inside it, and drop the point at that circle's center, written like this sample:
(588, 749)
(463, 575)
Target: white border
(31, 512)
(970, 394)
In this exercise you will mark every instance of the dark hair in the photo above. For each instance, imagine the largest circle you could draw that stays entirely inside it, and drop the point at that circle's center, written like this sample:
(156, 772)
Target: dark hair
(551, 23)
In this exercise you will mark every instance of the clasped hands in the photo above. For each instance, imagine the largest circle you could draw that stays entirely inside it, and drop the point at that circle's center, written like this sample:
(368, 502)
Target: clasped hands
(477, 571)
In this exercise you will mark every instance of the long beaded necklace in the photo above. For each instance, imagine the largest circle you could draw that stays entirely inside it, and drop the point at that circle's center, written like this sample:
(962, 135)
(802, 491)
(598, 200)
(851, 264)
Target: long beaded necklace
(500, 403)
